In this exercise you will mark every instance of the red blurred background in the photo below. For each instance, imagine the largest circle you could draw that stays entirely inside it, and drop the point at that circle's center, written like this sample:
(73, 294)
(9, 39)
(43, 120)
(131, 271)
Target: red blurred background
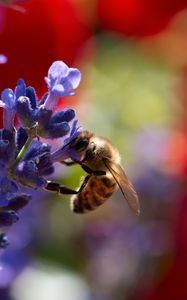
(68, 30)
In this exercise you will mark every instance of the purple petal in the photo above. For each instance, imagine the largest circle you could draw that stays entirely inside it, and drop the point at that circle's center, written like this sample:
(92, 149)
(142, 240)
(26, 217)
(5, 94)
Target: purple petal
(57, 71)
(58, 89)
(61, 81)
(58, 68)
(48, 81)
(74, 76)
(3, 105)
(74, 132)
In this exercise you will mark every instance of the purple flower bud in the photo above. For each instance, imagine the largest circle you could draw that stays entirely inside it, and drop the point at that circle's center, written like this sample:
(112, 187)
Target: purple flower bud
(26, 169)
(43, 116)
(8, 186)
(3, 240)
(20, 89)
(54, 131)
(25, 111)
(63, 115)
(55, 125)
(8, 103)
(21, 138)
(3, 146)
(8, 217)
(31, 94)
(28, 174)
(7, 146)
(35, 164)
(36, 149)
(18, 202)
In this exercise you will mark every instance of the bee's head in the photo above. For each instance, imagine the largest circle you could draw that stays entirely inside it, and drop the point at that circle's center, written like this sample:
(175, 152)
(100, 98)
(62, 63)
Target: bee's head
(81, 142)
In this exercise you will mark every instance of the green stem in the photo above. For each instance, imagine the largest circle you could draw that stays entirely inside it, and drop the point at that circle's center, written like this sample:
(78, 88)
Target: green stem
(21, 154)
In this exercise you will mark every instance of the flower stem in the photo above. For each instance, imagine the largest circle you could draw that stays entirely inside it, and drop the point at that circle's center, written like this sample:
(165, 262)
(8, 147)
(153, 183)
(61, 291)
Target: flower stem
(21, 154)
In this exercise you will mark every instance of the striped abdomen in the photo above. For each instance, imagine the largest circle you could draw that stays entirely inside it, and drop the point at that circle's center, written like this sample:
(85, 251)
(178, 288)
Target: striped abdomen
(95, 193)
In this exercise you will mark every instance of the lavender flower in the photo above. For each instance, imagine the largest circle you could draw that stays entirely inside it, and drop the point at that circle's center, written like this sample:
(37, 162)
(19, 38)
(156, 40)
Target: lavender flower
(61, 81)
(50, 124)
(25, 160)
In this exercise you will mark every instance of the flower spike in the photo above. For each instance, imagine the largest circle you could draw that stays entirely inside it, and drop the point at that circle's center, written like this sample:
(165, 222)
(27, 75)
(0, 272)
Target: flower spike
(25, 160)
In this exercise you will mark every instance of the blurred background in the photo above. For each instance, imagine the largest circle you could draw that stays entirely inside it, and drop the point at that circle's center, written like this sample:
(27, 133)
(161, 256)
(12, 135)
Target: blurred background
(133, 59)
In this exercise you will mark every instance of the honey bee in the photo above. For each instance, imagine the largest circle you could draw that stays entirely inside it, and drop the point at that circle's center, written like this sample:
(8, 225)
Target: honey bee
(101, 160)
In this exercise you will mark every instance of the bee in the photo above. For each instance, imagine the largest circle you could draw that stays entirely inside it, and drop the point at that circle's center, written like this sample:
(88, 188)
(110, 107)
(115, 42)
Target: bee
(102, 163)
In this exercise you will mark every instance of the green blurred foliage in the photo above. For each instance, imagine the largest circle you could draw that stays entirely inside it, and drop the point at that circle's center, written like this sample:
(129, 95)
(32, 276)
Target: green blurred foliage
(127, 91)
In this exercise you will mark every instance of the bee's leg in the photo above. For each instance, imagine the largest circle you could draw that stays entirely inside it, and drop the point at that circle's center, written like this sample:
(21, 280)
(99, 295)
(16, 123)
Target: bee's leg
(98, 173)
(92, 172)
(85, 168)
(68, 163)
(84, 183)
(62, 189)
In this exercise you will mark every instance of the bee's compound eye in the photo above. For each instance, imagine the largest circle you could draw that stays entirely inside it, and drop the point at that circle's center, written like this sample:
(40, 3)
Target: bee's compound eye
(81, 145)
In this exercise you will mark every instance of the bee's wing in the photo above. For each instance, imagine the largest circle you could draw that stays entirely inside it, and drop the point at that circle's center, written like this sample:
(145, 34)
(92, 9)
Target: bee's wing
(124, 184)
